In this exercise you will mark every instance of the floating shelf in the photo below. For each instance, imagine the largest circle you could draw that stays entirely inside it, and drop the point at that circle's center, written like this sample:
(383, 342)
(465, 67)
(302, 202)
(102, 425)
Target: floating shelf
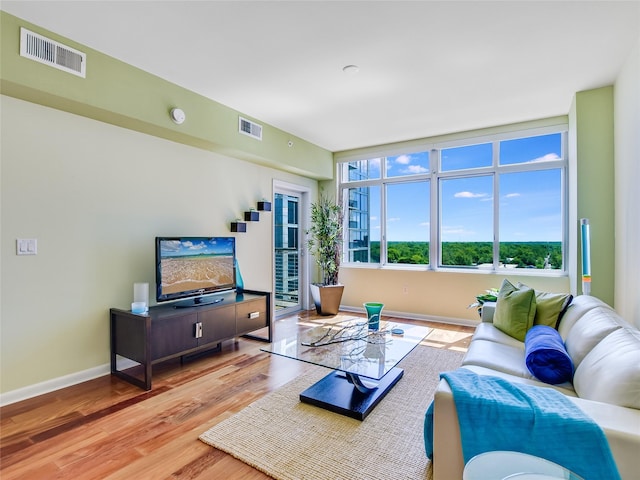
(239, 227)
(252, 216)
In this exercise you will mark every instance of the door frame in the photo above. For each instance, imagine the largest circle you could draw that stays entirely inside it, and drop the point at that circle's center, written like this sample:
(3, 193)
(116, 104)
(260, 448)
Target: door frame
(303, 218)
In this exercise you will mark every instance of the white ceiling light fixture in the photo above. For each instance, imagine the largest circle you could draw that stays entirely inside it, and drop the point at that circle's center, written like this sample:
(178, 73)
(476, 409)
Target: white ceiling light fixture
(178, 116)
(351, 70)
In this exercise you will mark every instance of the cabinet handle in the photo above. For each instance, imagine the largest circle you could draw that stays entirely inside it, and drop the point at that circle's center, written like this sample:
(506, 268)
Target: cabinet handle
(254, 315)
(198, 331)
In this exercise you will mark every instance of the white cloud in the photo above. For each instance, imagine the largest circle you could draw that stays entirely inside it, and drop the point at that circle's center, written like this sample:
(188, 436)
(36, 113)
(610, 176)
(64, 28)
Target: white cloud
(393, 219)
(470, 195)
(403, 159)
(195, 246)
(415, 169)
(545, 158)
(511, 195)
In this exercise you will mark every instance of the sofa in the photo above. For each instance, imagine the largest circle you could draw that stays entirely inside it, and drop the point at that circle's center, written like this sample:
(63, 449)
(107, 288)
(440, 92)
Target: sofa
(605, 351)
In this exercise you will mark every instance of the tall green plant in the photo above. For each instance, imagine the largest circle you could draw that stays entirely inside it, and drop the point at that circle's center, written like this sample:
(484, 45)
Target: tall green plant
(325, 237)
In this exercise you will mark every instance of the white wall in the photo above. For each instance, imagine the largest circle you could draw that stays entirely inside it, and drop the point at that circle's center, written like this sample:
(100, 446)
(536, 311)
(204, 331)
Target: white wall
(95, 196)
(627, 194)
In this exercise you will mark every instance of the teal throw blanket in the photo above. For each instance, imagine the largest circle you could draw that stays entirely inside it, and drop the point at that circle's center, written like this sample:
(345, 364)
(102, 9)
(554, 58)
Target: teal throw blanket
(495, 414)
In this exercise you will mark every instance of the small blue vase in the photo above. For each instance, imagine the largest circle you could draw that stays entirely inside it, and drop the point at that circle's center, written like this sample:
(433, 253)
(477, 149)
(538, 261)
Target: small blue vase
(239, 280)
(373, 314)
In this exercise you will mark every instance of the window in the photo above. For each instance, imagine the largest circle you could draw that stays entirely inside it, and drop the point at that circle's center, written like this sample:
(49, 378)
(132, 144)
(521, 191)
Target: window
(466, 221)
(487, 203)
(363, 229)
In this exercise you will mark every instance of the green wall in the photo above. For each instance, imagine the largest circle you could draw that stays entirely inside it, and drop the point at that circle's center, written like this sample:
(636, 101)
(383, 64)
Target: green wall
(594, 151)
(117, 93)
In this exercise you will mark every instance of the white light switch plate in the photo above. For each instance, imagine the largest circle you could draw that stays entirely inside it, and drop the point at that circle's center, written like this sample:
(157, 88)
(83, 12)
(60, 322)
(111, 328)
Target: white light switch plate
(26, 246)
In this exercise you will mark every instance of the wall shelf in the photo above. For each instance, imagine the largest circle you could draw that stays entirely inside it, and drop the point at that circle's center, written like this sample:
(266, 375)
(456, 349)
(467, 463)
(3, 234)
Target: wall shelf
(239, 227)
(252, 216)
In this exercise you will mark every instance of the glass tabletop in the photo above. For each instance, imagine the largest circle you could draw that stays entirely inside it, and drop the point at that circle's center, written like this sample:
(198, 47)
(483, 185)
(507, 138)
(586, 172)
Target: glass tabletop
(503, 465)
(349, 346)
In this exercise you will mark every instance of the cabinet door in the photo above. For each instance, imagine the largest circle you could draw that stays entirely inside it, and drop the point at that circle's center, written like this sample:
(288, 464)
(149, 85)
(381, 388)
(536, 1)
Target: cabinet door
(251, 315)
(172, 335)
(217, 324)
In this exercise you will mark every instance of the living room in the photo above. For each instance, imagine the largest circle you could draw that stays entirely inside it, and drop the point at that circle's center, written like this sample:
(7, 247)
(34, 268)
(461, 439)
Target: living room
(96, 172)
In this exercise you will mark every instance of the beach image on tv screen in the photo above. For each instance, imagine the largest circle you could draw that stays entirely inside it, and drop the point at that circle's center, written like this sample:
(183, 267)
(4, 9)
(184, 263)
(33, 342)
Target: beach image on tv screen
(193, 264)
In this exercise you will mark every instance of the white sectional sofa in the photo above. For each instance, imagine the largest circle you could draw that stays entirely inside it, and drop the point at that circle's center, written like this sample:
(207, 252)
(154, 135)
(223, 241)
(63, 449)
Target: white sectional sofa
(605, 350)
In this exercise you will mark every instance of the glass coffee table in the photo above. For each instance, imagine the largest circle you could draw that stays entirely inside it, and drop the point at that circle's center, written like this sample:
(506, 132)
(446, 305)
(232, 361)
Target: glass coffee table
(503, 465)
(364, 362)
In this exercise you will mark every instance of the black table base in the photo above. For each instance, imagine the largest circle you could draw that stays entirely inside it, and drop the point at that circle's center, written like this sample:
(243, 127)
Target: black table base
(338, 394)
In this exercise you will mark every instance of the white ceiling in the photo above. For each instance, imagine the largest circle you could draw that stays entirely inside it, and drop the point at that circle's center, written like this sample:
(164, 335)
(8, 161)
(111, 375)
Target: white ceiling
(426, 67)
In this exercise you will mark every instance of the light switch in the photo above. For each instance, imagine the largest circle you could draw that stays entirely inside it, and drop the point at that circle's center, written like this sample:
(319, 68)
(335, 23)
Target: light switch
(26, 246)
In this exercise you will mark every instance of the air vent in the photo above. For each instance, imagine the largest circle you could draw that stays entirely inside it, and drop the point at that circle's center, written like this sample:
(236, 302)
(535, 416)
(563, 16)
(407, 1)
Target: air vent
(52, 53)
(250, 128)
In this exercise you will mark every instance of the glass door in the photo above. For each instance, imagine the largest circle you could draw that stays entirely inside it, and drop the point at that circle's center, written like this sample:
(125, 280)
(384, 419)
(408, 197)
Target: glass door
(287, 252)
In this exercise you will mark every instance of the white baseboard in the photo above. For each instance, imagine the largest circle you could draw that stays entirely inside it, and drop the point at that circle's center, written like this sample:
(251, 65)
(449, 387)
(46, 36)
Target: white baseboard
(54, 384)
(85, 375)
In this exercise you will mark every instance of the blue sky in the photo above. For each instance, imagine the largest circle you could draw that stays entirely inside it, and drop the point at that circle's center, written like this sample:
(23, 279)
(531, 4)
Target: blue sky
(530, 202)
(197, 246)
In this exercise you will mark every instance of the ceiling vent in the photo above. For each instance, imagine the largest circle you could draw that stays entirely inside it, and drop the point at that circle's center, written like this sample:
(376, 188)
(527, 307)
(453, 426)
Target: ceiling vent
(52, 53)
(250, 128)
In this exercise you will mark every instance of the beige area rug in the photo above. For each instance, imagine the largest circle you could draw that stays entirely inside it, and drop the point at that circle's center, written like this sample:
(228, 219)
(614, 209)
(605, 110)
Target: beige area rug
(290, 440)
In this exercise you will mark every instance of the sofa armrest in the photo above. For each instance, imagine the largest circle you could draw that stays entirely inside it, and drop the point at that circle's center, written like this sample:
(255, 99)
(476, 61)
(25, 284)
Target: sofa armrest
(447, 448)
(488, 310)
(621, 426)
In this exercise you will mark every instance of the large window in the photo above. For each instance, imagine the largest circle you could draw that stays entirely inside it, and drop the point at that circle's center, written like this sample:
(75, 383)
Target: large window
(488, 203)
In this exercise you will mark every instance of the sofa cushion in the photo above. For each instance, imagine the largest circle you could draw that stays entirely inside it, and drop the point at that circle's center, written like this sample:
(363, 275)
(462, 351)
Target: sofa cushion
(486, 331)
(550, 307)
(497, 356)
(564, 388)
(589, 330)
(576, 309)
(515, 310)
(545, 355)
(610, 373)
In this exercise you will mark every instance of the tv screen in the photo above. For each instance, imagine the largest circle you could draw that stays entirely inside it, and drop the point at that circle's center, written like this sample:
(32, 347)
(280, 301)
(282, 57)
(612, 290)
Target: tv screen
(193, 267)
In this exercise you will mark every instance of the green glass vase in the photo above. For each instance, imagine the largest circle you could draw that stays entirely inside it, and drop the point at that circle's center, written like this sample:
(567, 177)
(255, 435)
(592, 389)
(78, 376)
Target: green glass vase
(373, 314)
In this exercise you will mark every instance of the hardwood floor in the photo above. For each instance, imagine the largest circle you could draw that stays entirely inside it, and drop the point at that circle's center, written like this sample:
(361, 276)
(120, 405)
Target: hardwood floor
(109, 429)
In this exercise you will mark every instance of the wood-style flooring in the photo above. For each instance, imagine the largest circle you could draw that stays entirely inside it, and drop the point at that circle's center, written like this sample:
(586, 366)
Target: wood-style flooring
(108, 429)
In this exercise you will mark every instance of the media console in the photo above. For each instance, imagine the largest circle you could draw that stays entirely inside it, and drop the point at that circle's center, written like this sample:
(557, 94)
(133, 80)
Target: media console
(167, 332)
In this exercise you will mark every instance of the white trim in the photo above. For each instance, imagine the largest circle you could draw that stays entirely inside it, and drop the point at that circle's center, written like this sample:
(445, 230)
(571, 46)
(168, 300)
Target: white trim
(65, 381)
(448, 140)
(54, 384)
(304, 264)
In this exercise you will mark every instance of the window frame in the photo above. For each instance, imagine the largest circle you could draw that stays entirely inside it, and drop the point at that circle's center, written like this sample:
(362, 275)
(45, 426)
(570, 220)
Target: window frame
(434, 178)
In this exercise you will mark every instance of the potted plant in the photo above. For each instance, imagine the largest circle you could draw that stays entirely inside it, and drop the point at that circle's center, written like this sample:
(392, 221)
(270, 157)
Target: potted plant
(490, 295)
(325, 243)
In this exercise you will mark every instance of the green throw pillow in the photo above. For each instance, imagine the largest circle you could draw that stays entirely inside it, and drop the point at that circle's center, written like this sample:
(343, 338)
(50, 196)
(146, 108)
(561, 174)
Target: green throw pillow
(550, 307)
(515, 310)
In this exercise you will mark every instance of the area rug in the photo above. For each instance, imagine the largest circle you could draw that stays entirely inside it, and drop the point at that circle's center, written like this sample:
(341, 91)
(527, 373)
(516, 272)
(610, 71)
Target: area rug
(290, 440)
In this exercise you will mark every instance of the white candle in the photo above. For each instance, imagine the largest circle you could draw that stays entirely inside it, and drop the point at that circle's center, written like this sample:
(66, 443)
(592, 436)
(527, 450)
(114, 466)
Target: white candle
(141, 294)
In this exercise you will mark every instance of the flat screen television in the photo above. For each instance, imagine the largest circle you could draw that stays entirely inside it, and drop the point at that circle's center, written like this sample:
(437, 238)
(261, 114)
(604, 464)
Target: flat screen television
(194, 268)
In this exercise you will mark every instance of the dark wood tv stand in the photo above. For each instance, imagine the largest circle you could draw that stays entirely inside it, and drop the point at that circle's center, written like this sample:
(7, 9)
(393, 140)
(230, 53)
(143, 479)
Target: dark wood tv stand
(168, 332)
